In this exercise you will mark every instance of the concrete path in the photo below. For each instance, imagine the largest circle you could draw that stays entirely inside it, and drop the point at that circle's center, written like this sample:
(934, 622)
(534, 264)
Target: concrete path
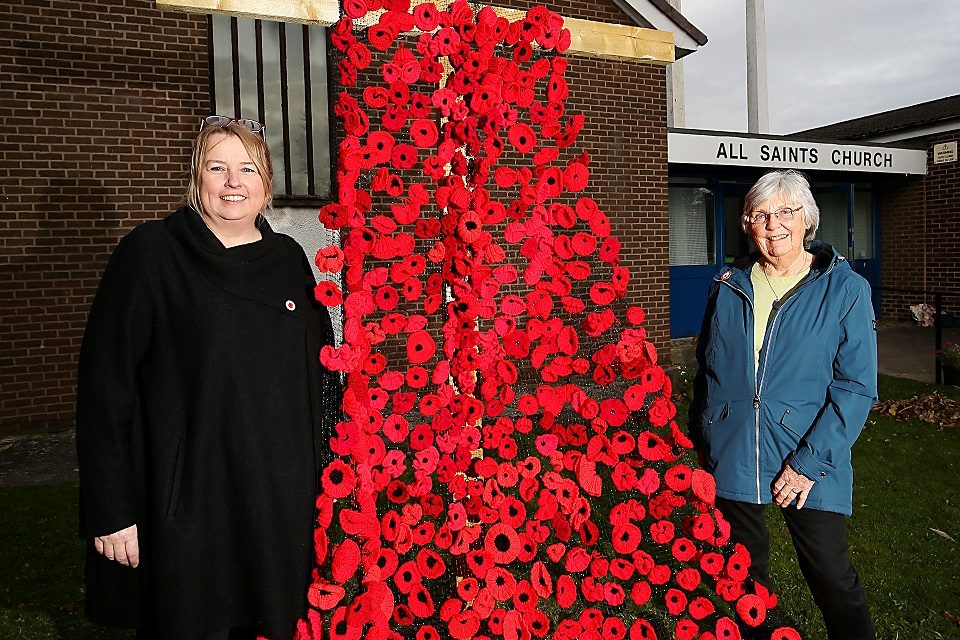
(907, 351)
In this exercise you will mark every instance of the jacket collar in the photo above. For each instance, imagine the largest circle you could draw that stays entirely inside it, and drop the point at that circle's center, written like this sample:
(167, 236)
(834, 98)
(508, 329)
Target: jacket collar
(825, 259)
(258, 271)
(189, 228)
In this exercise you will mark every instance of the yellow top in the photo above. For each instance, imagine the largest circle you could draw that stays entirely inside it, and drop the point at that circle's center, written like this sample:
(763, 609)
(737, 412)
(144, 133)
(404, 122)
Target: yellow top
(766, 290)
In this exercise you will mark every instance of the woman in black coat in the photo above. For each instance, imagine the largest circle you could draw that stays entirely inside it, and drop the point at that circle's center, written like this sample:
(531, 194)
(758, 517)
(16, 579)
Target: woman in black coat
(202, 408)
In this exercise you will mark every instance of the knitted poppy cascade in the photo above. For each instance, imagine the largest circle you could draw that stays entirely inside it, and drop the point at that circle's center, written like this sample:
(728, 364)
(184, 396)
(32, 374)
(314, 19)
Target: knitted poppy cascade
(508, 465)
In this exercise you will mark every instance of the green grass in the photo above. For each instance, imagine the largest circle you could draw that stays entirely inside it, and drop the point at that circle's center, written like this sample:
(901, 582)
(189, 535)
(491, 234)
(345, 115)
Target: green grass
(906, 486)
(41, 567)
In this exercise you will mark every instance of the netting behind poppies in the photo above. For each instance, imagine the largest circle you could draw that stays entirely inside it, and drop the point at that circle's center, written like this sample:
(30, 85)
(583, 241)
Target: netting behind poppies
(509, 463)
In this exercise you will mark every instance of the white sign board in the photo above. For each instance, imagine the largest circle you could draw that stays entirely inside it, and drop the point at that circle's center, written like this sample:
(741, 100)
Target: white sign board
(779, 153)
(945, 152)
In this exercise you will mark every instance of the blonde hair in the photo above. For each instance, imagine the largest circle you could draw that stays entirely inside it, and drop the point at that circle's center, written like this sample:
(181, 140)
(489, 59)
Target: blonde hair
(255, 146)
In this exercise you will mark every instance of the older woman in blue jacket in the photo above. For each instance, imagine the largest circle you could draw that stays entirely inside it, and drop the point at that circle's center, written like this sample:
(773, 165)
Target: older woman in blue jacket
(787, 376)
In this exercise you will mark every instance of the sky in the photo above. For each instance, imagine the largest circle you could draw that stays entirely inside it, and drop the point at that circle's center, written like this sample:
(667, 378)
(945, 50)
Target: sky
(827, 60)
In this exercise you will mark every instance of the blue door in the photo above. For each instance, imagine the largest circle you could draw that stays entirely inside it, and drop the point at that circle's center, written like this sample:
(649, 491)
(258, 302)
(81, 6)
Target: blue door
(696, 259)
(693, 251)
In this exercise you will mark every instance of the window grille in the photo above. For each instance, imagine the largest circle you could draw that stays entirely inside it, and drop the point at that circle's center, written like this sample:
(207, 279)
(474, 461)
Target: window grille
(276, 73)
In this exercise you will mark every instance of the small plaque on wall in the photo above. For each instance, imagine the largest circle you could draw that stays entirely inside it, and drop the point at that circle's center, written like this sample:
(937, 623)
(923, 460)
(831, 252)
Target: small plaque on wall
(945, 152)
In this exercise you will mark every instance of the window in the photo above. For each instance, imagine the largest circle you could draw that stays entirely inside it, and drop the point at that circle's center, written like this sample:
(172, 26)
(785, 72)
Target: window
(276, 73)
(691, 226)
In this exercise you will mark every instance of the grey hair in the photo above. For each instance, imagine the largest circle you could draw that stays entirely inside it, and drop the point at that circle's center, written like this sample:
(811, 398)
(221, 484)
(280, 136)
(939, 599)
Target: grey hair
(791, 185)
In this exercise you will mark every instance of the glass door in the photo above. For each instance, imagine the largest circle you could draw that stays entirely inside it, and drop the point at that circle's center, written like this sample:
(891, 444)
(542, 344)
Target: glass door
(848, 221)
(864, 250)
(736, 244)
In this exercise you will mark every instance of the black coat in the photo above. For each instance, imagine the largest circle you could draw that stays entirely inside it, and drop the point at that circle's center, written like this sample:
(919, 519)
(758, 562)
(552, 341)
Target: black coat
(202, 408)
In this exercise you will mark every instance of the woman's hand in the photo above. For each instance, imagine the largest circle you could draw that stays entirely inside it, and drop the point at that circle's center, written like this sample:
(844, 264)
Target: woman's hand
(121, 546)
(789, 485)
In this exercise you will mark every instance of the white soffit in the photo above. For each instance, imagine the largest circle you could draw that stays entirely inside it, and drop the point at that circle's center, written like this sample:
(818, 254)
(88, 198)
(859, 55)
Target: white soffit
(659, 20)
(916, 132)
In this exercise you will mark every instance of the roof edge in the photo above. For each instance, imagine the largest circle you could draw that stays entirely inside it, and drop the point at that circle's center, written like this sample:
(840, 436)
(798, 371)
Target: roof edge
(890, 113)
(699, 36)
(632, 9)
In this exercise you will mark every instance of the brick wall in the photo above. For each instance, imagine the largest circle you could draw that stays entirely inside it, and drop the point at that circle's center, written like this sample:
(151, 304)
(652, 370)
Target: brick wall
(97, 133)
(921, 247)
(903, 252)
(942, 201)
(626, 136)
(99, 106)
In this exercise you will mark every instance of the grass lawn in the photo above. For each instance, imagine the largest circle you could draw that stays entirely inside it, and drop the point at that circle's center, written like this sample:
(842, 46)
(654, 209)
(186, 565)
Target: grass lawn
(41, 564)
(907, 486)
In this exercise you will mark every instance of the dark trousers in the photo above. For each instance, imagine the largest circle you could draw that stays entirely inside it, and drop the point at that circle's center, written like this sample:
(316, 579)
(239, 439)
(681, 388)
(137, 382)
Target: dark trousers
(820, 539)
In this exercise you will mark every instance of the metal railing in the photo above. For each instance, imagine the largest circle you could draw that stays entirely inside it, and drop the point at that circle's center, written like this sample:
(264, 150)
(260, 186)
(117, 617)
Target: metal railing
(938, 316)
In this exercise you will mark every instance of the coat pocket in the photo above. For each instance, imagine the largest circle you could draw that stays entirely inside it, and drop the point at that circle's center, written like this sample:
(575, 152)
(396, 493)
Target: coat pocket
(713, 416)
(796, 422)
(173, 493)
(728, 432)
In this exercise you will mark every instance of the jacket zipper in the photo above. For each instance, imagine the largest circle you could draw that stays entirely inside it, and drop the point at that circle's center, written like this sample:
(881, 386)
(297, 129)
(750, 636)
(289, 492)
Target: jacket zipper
(768, 338)
(756, 392)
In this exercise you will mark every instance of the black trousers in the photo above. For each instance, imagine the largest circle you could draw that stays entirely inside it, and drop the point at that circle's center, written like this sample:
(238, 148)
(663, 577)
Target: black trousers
(820, 539)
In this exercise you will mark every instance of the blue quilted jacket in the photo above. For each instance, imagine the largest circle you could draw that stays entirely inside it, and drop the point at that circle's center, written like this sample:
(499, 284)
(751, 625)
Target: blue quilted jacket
(807, 400)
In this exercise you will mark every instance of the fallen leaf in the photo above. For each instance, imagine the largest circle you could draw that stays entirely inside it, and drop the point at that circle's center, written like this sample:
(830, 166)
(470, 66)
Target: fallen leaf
(942, 534)
(932, 408)
(952, 618)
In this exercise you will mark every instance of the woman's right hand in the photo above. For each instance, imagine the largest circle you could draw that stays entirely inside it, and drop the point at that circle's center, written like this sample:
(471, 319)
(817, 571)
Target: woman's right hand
(121, 546)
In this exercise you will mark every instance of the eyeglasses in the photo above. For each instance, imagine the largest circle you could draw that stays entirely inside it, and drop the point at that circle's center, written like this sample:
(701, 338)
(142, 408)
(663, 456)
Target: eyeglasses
(222, 121)
(761, 217)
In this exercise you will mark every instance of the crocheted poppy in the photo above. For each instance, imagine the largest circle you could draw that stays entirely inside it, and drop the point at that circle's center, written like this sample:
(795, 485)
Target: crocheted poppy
(626, 538)
(424, 133)
(738, 566)
(420, 601)
(403, 156)
(726, 629)
(381, 36)
(328, 293)
(522, 137)
(501, 583)
(751, 610)
(338, 480)
(341, 627)
(550, 184)
(641, 629)
(566, 591)
(325, 596)
(420, 347)
(426, 17)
